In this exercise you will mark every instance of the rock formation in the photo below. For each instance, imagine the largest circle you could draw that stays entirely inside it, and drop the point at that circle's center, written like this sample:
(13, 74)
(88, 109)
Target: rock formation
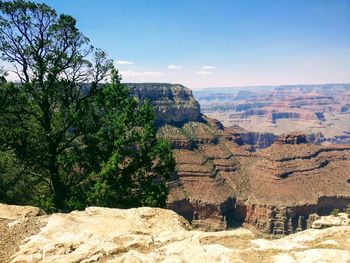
(281, 189)
(292, 182)
(309, 109)
(173, 104)
(342, 219)
(153, 235)
(259, 140)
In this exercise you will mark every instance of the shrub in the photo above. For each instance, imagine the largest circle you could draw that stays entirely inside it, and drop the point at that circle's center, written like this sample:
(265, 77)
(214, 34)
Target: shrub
(347, 210)
(335, 212)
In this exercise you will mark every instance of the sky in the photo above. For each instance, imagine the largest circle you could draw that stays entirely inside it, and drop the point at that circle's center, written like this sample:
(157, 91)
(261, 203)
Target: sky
(218, 43)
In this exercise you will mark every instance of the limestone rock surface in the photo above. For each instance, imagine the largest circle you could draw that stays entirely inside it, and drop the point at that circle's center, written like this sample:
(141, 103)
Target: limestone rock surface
(19, 212)
(159, 235)
(342, 219)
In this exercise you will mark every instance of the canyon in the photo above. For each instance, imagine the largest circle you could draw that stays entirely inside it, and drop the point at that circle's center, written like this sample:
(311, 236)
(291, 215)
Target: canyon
(233, 198)
(221, 182)
(320, 111)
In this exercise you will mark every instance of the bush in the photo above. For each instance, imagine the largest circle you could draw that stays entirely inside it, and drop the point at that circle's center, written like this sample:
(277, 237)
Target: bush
(347, 210)
(335, 212)
(14, 182)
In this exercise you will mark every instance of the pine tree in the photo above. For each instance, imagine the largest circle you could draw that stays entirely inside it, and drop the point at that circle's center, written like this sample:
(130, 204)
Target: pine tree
(82, 141)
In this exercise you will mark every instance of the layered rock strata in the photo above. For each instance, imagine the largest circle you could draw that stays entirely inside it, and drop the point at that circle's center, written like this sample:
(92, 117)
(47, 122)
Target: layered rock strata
(261, 140)
(281, 189)
(291, 183)
(309, 109)
(173, 103)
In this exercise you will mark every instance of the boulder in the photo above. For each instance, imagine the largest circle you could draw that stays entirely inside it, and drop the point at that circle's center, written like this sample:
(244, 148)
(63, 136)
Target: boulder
(19, 212)
(342, 219)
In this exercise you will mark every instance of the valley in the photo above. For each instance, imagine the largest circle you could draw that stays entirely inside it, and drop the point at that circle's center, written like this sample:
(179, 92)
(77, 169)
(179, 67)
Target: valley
(223, 182)
(320, 111)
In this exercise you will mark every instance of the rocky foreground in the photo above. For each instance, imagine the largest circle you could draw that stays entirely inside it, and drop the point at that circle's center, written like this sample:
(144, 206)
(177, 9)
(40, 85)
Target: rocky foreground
(153, 235)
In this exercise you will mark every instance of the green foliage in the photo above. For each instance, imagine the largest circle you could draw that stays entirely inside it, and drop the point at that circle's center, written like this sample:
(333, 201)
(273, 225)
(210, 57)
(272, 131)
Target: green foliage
(335, 212)
(347, 210)
(10, 171)
(17, 184)
(3, 74)
(75, 144)
(136, 163)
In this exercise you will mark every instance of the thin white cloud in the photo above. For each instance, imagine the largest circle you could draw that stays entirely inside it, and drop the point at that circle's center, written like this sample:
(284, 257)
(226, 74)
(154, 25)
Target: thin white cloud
(203, 72)
(206, 67)
(151, 73)
(176, 67)
(130, 73)
(124, 62)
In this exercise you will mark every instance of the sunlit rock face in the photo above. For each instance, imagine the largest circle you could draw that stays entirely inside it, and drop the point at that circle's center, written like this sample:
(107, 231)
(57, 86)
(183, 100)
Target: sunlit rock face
(173, 103)
(152, 235)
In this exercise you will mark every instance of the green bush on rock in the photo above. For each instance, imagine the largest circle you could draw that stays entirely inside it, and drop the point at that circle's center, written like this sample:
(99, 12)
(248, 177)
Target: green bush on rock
(335, 212)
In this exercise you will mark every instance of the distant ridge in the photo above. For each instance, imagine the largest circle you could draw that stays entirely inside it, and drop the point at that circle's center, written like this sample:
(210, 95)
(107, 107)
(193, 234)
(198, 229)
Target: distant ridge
(271, 87)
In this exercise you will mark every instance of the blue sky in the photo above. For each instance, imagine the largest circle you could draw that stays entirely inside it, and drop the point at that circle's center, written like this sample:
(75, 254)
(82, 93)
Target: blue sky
(203, 43)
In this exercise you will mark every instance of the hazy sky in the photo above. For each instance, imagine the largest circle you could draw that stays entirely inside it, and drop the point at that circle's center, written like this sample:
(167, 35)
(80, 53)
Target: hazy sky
(203, 43)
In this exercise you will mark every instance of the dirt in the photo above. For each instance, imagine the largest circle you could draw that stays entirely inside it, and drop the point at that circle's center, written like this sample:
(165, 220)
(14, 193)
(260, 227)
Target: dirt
(14, 232)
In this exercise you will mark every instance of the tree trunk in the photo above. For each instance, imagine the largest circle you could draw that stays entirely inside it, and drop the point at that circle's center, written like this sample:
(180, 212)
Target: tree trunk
(57, 188)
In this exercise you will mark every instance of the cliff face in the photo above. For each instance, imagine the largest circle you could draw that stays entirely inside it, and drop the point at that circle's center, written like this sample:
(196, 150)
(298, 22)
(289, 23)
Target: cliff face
(218, 183)
(291, 183)
(153, 235)
(198, 191)
(258, 140)
(309, 109)
(261, 140)
(286, 219)
(173, 103)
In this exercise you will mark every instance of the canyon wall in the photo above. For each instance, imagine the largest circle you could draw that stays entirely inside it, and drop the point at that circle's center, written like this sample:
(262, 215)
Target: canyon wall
(261, 140)
(282, 220)
(221, 181)
(173, 103)
(309, 109)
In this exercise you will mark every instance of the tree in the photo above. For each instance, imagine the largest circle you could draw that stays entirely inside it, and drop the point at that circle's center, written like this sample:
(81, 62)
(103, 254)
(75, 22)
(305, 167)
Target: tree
(67, 132)
(2, 76)
(15, 179)
(135, 168)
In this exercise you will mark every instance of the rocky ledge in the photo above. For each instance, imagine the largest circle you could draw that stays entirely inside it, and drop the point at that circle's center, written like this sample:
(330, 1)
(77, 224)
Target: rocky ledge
(173, 103)
(261, 140)
(151, 235)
